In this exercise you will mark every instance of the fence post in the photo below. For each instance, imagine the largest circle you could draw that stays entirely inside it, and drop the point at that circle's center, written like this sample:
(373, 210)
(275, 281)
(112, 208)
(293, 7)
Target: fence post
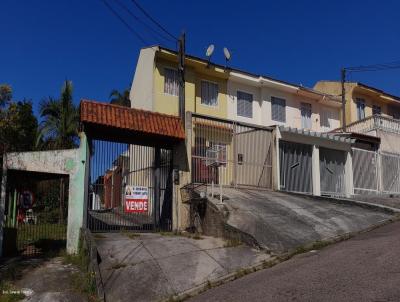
(315, 171)
(348, 174)
(157, 183)
(3, 201)
(235, 155)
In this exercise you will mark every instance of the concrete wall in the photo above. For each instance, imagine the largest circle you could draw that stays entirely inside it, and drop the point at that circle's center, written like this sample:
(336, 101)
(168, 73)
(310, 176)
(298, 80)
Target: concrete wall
(70, 162)
(141, 93)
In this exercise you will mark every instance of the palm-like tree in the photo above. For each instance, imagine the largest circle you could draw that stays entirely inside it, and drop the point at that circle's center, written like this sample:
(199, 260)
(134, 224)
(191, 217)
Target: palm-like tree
(119, 98)
(59, 128)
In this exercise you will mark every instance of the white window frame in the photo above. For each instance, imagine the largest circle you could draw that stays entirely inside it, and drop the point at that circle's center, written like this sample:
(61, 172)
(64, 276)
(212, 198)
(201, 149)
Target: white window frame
(201, 94)
(176, 84)
(251, 103)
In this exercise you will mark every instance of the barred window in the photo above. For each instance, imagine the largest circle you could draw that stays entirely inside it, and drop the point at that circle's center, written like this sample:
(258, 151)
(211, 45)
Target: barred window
(244, 104)
(278, 109)
(171, 81)
(209, 93)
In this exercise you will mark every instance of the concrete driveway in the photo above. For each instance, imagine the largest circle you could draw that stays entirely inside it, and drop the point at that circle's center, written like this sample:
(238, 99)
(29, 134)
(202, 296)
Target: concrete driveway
(154, 267)
(280, 221)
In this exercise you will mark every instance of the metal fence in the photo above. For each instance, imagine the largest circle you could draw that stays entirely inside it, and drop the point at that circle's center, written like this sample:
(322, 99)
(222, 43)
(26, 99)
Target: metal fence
(230, 153)
(375, 172)
(130, 187)
(332, 171)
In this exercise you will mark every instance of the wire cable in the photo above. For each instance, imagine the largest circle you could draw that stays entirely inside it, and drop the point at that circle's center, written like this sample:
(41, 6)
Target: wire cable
(152, 19)
(115, 13)
(160, 35)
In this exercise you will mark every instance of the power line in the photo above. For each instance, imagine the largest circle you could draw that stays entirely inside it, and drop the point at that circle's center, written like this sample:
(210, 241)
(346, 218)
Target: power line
(144, 23)
(153, 20)
(115, 13)
(374, 67)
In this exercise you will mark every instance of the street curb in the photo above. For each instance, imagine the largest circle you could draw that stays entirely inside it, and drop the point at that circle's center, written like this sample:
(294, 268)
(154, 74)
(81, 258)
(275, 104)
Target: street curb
(276, 259)
(349, 201)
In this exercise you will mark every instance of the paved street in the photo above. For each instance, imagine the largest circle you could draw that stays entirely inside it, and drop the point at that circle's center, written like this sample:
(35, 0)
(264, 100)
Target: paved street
(365, 268)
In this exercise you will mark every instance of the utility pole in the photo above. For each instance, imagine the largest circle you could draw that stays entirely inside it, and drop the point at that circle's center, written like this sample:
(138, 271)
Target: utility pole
(343, 80)
(181, 70)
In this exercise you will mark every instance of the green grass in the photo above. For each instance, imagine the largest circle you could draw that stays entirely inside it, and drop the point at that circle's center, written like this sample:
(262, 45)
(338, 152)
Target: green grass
(44, 236)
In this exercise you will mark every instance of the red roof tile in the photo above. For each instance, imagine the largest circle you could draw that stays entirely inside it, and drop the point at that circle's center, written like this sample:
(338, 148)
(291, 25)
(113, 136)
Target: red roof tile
(145, 122)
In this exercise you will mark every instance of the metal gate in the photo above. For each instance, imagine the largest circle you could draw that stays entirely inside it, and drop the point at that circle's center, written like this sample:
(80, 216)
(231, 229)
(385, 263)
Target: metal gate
(244, 150)
(390, 169)
(295, 167)
(365, 171)
(332, 168)
(130, 187)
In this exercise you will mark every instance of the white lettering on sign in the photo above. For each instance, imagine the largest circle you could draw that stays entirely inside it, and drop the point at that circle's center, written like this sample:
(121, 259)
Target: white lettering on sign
(136, 199)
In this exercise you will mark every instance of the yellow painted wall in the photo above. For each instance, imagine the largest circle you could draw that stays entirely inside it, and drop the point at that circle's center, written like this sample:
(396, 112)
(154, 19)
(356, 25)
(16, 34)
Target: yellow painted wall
(168, 104)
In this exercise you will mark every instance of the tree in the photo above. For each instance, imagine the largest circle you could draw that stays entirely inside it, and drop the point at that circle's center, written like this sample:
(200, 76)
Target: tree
(118, 98)
(5, 94)
(18, 124)
(59, 128)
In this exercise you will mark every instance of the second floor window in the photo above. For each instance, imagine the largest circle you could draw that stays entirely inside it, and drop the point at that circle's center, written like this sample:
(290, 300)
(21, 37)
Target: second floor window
(244, 104)
(209, 93)
(376, 109)
(278, 109)
(360, 109)
(171, 81)
(305, 116)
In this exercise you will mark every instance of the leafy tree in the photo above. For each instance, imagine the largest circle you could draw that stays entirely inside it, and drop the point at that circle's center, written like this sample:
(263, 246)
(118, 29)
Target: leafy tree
(118, 98)
(5, 94)
(59, 128)
(18, 124)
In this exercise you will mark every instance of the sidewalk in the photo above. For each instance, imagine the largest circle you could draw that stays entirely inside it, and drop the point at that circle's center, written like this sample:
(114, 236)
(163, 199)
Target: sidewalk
(153, 267)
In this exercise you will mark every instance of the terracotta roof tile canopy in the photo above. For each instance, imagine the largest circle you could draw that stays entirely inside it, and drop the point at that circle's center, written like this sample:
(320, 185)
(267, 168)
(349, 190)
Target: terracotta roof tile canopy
(97, 115)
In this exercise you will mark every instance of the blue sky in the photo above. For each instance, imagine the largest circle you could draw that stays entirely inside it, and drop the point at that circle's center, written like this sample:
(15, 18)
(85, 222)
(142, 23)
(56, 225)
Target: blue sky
(44, 42)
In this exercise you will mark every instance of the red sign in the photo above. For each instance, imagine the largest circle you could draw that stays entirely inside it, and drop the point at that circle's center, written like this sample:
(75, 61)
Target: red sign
(136, 199)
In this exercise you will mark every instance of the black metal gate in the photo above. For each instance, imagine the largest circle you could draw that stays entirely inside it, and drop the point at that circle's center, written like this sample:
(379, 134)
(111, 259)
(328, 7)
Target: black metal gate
(130, 187)
(36, 211)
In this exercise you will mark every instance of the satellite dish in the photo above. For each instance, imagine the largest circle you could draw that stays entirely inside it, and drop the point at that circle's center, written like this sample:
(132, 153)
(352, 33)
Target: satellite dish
(210, 50)
(227, 54)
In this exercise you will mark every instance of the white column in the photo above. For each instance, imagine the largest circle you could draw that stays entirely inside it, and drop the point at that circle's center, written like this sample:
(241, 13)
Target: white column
(275, 160)
(316, 177)
(348, 174)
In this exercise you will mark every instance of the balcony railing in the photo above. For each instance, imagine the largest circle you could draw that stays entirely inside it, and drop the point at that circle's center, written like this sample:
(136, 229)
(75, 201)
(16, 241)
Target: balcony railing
(374, 122)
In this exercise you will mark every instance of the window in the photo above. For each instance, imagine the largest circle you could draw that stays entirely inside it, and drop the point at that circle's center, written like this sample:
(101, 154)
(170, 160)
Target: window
(325, 120)
(244, 104)
(171, 81)
(209, 93)
(394, 111)
(278, 109)
(360, 109)
(305, 116)
(376, 109)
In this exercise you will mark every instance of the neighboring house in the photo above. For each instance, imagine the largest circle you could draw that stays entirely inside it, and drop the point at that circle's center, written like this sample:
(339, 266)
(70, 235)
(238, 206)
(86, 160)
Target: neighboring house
(265, 101)
(217, 91)
(369, 111)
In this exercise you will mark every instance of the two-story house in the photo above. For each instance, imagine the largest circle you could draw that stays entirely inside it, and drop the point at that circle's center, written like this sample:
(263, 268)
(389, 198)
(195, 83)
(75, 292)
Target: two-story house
(217, 91)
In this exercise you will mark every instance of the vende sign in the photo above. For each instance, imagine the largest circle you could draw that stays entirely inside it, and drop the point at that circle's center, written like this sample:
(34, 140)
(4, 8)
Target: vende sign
(136, 199)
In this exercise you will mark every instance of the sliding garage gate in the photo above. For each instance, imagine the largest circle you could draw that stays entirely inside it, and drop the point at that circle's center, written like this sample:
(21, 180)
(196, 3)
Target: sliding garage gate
(332, 171)
(365, 171)
(295, 167)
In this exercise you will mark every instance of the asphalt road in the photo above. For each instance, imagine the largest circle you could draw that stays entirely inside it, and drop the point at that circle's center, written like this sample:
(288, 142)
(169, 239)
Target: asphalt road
(365, 268)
